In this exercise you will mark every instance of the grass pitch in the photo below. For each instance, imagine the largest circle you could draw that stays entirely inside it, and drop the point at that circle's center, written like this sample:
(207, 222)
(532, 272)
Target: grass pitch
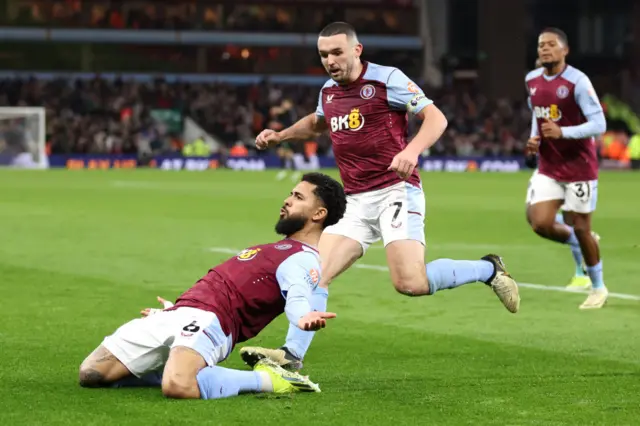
(81, 252)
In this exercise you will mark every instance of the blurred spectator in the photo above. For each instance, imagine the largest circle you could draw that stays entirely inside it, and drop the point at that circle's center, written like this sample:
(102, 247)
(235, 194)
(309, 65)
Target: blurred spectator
(186, 15)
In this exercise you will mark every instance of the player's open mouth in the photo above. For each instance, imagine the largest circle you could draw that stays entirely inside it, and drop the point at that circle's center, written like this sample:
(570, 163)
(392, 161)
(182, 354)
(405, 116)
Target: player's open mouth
(283, 212)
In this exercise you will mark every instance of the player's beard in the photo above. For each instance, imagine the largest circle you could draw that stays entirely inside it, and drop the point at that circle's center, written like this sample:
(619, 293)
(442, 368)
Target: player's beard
(343, 74)
(550, 65)
(337, 78)
(290, 225)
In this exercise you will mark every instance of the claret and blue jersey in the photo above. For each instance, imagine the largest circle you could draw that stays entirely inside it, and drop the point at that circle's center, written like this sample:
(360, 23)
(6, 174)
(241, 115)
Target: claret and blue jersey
(367, 121)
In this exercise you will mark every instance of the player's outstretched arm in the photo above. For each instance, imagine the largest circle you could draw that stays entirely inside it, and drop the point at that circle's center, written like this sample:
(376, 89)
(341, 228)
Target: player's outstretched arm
(298, 307)
(315, 320)
(304, 129)
(297, 276)
(150, 311)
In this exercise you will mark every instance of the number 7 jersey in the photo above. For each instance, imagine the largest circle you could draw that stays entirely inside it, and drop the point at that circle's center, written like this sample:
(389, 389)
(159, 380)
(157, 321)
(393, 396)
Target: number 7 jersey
(367, 121)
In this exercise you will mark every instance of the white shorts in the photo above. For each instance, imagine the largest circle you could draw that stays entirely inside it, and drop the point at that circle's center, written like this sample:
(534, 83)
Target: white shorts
(579, 197)
(143, 344)
(391, 214)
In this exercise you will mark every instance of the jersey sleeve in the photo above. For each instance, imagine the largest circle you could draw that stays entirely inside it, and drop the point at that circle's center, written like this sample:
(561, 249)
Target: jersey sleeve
(534, 125)
(298, 276)
(589, 104)
(404, 94)
(319, 108)
(534, 121)
(586, 97)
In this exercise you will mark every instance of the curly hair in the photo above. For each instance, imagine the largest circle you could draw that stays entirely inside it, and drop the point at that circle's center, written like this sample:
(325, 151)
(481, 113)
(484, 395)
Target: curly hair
(331, 193)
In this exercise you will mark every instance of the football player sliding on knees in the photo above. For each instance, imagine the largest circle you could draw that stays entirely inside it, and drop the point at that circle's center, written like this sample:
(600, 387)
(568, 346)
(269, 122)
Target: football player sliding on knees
(365, 108)
(566, 117)
(180, 346)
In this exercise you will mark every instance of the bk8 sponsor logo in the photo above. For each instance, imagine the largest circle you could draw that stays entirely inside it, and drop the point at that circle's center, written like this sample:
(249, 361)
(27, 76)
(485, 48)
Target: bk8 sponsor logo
(552, 112)
(352, 121)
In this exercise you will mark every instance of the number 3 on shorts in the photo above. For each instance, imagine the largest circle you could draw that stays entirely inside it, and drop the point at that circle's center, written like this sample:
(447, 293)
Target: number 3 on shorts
(581, 197)
(582, 190)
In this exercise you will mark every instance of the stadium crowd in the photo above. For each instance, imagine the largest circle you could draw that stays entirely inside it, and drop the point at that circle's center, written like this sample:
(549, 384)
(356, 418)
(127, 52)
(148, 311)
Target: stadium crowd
(187, 15)
(101, 116)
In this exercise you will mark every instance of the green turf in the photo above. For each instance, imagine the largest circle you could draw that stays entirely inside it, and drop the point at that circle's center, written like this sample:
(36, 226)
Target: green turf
(81, 252)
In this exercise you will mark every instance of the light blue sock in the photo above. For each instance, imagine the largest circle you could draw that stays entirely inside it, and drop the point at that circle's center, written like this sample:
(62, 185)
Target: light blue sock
(595, 273)
(447, 273)
(219, 382)
(572, 240)
(298, 341)
(576, 251)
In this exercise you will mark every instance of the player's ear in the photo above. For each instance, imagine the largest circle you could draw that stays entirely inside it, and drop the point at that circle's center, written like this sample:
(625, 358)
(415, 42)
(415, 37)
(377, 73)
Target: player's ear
(358, 50)
(320, 214)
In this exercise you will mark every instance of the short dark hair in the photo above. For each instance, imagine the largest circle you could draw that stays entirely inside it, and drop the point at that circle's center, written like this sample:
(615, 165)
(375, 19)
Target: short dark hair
(557, 31)
(338, 27)
(331, 193)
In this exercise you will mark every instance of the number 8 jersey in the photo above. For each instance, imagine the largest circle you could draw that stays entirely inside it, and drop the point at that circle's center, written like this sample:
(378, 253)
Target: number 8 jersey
(249, 290)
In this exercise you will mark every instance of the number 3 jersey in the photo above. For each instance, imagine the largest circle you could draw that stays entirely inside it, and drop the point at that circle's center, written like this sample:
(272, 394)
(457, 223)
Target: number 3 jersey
(249, 290)
(567, 99)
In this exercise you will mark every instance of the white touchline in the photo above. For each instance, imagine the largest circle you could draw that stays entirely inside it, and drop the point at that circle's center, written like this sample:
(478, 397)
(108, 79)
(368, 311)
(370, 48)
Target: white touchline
(224, 250)
(381, 268)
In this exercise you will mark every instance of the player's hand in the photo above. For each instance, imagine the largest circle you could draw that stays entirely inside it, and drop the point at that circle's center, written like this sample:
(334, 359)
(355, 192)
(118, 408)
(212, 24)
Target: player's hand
(532, 145)
(315, 320)
(267, 138)
(550, 129)
(150, 311)
(404, 163)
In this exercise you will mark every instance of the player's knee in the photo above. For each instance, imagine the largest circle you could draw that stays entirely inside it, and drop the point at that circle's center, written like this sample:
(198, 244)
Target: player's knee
(179, 388)
(582, 230)
(88, 377)
(411, 289)
(410, 285)
(527, 214)
(581, 226)
(541, 227)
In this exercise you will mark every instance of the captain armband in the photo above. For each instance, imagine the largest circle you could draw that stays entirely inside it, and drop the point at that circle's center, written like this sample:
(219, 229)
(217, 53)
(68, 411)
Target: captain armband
(416, 103)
